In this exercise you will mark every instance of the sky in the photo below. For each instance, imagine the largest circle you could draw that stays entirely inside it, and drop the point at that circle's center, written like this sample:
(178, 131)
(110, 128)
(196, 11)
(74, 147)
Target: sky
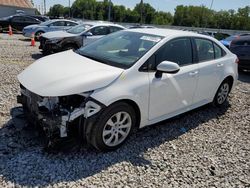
(163, 5)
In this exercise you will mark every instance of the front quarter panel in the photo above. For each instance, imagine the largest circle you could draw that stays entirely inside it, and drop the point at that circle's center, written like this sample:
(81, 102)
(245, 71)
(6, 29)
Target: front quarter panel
(129, 86)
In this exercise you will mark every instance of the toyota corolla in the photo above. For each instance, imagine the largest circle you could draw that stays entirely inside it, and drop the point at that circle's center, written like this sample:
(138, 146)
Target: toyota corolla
(126, 80)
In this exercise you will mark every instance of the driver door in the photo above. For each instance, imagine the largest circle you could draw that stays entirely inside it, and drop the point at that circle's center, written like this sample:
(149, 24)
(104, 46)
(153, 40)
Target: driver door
(172, 94)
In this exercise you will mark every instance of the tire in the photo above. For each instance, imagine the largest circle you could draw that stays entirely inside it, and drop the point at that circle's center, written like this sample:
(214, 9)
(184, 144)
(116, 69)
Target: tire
(46, 52)
(222, 93)
(37, 35)
(107, 134)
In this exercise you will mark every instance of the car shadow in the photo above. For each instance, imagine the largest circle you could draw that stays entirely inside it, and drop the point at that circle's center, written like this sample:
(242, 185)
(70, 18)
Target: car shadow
(25, 39)
(37, 56)
(24, 162)
(244, 76)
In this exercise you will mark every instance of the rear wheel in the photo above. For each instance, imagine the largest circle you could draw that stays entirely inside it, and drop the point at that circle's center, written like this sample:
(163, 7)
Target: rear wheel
(222, 93)
(113, 127)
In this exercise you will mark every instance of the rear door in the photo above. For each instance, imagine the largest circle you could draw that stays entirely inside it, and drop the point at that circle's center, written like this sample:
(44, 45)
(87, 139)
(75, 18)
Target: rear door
(173, 93)
(113, 29)
(211, 67)
(97, 32)
(69, 25)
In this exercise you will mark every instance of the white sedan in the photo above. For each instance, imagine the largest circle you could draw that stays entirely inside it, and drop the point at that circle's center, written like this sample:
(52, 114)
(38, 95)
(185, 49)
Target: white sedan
(129, 79)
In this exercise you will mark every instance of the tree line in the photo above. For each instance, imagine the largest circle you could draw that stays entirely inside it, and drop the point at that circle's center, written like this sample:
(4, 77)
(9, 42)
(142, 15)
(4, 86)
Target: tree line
(191, 16)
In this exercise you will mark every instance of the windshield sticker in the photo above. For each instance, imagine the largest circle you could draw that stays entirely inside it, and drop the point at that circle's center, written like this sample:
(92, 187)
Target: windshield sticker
(151, 38)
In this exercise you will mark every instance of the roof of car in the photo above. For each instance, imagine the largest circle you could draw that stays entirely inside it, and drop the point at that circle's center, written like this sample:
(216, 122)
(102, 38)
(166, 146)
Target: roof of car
(54, 20)
(166, 32)
(102, 24)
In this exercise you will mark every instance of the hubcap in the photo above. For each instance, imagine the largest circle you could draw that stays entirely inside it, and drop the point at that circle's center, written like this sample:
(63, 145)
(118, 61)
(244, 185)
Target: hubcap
(116, 129)
(223, 93)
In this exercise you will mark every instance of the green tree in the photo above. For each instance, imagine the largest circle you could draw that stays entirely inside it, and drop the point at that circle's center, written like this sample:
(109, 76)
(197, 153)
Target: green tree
(148, 12)
(56, 11)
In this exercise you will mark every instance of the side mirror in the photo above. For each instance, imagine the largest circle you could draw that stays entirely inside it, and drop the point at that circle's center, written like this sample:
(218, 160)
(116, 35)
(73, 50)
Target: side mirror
(166, 67)
(88, 34)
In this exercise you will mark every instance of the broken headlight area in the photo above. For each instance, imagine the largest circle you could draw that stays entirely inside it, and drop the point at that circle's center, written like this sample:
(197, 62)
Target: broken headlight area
(59, 117)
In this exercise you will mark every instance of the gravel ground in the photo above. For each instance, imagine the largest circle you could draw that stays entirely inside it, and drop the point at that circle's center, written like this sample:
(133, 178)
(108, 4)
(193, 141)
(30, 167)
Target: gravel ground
(208, 147)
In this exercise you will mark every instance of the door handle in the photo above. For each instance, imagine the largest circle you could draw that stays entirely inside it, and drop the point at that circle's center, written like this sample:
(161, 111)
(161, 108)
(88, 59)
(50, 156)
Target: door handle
(220, 65)
(193, 73)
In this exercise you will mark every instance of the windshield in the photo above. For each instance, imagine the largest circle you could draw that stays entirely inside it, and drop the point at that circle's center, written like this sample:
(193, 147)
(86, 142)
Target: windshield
(79, 28)
(121, 49)
(46, 23)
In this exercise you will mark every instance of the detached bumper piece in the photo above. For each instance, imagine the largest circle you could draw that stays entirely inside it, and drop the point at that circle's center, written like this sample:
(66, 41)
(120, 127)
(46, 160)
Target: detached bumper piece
(60, 118)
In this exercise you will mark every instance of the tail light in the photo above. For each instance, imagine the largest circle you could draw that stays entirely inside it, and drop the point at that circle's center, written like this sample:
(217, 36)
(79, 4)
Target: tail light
(237, 61)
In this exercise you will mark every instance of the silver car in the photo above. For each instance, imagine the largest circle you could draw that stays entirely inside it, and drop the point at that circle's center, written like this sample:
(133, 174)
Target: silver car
(51, 25)
(76, 37)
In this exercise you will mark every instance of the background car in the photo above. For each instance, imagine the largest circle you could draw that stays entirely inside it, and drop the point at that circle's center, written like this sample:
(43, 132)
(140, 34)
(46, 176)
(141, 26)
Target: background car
(51, 25)
(227, 41)
(17, 22)
(76, 37)
(241, 47)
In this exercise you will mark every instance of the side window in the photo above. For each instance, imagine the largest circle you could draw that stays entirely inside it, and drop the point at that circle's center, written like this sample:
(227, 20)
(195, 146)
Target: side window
(59, 23)
(70, 24)
(218, 52)
(113, 29)
(27, 19)
(17, 19)
(177, 50)
(205, 49)
(101, 30)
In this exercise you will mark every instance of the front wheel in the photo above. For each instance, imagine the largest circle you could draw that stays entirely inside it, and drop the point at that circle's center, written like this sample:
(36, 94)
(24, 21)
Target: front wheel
(113, 127)
(222, 93)
(38, 34)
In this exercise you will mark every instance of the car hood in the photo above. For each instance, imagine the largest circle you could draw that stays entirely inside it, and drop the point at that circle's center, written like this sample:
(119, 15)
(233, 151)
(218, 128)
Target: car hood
(67, 73)
(57, 34)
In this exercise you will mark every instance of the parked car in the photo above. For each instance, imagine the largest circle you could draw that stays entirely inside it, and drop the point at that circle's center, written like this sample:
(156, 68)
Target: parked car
(17, 22)
(241, 47)
(227, 41)
(51, 25)
(39, 17)
(76, 37)
(128, 79)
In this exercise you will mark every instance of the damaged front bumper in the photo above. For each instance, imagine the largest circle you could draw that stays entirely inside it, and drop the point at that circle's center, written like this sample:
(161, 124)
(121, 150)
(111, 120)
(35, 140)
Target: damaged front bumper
(60, 117)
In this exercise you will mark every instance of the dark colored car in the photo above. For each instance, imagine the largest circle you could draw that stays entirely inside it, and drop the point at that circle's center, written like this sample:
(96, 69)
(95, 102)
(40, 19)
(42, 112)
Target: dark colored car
(227, 41)
(39, 17)
(17, 22)
(75, 37)
(241, 47)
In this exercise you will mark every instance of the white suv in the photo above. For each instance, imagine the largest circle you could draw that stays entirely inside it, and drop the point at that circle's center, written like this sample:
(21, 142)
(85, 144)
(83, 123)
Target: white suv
(132, 78)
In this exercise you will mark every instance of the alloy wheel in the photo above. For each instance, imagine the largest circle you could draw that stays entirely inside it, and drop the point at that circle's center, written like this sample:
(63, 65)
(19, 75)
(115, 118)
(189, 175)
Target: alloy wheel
(117, 129)
(223, 93)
